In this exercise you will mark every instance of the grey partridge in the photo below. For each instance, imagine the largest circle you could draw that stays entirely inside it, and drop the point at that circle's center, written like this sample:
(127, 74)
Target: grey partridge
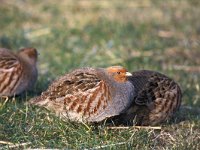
(157, 97)
(88, 94)
(18, 72)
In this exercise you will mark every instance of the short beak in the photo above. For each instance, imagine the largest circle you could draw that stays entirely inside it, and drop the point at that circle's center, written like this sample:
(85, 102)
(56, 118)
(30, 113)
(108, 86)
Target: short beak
(128, 74)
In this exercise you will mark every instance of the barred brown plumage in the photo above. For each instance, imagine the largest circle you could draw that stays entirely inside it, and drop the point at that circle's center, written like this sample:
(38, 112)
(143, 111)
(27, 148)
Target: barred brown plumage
(18, 72)
(88, 94)
(157, 97)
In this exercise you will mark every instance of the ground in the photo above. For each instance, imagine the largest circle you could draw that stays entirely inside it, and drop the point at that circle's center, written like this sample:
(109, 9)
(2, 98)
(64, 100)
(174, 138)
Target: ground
(68, 34)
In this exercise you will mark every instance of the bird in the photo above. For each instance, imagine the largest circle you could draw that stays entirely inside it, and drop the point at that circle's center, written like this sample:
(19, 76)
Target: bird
(157, 98)
(88, 95)
(18, 71)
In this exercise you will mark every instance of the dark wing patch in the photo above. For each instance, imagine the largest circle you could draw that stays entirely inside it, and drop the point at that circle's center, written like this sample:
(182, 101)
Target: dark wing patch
(150, 86)
(157, 97)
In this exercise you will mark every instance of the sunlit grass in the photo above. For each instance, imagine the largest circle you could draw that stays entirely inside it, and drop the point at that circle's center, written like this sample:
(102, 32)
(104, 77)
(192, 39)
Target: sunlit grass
(138, 35)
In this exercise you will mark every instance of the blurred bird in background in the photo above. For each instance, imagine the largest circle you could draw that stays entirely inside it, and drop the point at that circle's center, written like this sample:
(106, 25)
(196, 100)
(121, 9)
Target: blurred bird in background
(18, 72)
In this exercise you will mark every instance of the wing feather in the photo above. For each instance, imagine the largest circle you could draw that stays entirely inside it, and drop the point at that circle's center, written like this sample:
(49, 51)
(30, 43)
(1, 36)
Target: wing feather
(10, 70)
(157, 97)
(151, 85)
(80, 94)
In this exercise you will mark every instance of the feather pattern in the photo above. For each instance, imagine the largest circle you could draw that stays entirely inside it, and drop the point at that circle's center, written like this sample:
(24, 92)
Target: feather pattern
(83, 95)
(157, 98)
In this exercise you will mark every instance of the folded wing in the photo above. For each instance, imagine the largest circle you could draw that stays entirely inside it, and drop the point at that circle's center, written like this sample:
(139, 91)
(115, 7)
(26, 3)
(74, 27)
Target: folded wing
(77, 96)
(10, 72)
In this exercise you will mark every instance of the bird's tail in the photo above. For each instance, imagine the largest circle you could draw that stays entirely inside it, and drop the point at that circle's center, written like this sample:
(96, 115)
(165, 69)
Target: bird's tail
(36, 101)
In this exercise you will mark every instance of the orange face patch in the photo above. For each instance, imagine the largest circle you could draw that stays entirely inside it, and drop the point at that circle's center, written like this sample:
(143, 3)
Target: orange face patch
(118, 73)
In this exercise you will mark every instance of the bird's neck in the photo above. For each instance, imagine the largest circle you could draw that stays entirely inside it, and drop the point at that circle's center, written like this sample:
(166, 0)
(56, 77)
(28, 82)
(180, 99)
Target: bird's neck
(29, 67)
(29, 61)
(105, 76)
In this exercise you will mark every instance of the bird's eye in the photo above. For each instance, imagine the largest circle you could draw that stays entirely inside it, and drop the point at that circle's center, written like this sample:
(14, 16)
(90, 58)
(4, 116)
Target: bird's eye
(118, 72)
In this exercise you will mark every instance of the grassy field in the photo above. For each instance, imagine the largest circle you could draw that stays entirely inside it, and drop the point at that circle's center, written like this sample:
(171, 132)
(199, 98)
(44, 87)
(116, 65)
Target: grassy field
(69, 34)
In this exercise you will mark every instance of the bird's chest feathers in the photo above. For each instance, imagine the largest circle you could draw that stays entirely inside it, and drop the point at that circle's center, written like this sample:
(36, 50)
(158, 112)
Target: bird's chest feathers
(123, 95)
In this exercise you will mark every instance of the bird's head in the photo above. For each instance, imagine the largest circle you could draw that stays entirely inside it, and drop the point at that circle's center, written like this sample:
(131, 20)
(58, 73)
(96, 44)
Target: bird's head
(119, 73)
(29, 55)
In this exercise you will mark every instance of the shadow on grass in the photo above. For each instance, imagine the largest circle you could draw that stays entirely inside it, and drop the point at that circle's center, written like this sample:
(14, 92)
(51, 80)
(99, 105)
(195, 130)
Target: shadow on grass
(186, 113)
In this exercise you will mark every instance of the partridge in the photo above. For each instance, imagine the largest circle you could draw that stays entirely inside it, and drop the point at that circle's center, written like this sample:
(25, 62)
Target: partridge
(156, 99)
(88, 94)
(18, 72)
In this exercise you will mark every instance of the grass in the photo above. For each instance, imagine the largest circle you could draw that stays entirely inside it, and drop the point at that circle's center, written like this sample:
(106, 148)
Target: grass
(138, 35)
